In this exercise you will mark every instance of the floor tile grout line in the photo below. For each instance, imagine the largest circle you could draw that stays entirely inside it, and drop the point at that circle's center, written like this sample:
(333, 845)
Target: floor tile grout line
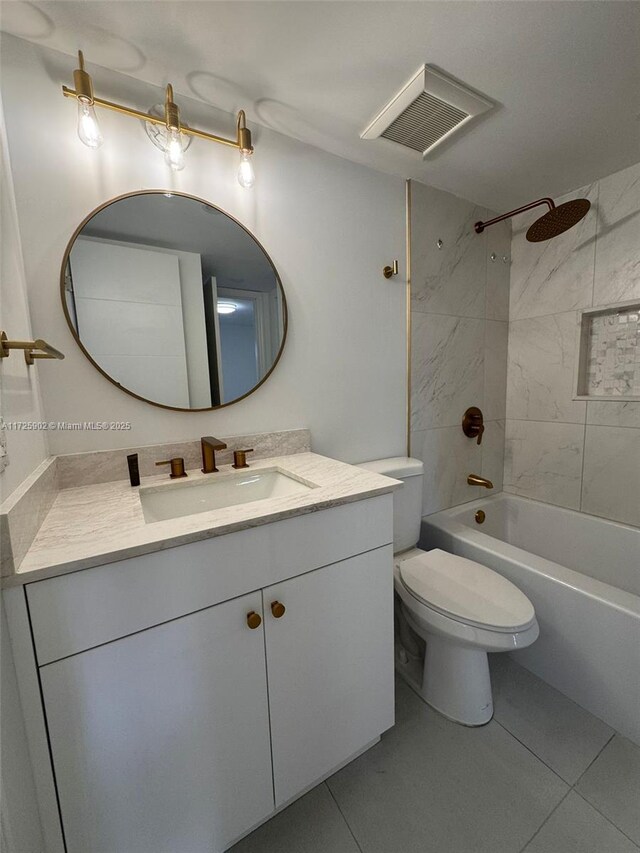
(335, 800)
(614, 732)
(572, 786)
(606, 817)
(528, 748)
(545, 821)
(591, 763)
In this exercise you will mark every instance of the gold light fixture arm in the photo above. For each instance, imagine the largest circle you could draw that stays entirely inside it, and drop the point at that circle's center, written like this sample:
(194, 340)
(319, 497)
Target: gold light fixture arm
(32, 349)
(171, 111)
(243, 134)
(84, 92)
(82, 82)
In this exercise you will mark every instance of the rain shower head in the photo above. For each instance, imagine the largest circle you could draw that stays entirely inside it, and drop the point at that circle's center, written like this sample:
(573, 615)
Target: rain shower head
(555, 221)
(558, 220)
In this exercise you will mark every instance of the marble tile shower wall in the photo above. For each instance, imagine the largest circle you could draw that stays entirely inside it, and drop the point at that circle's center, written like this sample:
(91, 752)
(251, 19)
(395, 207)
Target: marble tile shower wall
(459, 316)
(584, 455)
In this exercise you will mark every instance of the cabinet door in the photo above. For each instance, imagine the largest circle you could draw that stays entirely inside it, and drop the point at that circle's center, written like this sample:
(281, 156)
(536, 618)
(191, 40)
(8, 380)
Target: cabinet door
(330, 666)
(160, 740)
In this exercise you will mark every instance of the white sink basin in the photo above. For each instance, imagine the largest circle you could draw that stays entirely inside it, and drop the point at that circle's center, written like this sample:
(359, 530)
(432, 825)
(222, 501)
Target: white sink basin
(175, 500)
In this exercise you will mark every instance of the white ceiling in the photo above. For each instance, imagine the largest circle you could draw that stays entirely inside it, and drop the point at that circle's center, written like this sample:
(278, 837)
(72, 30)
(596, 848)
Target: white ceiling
(566, 76)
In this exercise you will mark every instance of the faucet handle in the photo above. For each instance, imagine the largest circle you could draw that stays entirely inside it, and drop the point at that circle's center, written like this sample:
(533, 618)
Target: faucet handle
(240, 458)
(473, 423)
(177, 466)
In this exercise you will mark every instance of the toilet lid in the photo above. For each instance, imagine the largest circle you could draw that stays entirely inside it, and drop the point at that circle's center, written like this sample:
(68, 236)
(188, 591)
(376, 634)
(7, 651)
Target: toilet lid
(466, 591)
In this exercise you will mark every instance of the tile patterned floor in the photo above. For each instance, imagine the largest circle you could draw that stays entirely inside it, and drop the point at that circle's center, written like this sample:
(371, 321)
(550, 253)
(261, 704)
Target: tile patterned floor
(544, 776)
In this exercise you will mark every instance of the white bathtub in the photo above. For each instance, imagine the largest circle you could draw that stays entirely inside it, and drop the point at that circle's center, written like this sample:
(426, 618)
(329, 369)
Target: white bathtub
(582, 575)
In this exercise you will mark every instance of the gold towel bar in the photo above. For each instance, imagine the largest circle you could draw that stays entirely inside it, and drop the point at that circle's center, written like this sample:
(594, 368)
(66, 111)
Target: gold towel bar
(32, 349)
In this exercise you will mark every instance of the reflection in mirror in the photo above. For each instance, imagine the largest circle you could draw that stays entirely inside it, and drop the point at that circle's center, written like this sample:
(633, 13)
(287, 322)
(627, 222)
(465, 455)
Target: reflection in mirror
(174, 301)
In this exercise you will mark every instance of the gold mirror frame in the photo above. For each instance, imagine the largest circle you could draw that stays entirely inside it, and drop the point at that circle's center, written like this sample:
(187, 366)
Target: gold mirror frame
(65, 262)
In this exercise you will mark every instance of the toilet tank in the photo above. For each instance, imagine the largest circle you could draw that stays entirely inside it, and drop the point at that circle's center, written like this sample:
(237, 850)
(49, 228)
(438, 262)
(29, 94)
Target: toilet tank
(407, 500)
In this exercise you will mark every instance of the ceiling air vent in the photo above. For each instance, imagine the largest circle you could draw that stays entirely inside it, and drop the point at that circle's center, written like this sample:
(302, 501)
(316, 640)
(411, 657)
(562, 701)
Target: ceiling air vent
(428, 110)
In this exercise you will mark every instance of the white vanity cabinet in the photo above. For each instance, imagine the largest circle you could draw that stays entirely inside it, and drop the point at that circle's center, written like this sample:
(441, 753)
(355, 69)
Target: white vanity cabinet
(329, 664)
(160, 740)
(175, 726)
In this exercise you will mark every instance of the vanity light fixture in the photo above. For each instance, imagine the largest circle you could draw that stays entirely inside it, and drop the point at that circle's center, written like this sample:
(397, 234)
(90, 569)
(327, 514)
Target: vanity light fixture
(88, 127)
(174, 150)
(227, 307)
(174, 131)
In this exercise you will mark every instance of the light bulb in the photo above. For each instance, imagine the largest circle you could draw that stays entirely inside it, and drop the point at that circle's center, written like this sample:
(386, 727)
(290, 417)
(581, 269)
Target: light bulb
(174, 152)
(88, 127)
(246, 175)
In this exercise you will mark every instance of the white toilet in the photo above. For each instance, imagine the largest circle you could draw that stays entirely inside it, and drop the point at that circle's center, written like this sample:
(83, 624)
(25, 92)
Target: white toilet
(461, 609)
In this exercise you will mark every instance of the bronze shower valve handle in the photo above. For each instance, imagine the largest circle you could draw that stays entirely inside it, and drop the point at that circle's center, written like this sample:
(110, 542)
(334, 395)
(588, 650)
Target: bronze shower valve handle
(473, 423)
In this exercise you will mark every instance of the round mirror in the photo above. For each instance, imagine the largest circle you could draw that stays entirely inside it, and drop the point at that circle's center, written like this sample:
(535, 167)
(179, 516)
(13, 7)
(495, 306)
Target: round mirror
(173, 300)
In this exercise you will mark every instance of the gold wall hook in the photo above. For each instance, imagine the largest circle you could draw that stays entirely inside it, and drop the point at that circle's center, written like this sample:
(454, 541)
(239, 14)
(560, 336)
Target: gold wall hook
(388, 271)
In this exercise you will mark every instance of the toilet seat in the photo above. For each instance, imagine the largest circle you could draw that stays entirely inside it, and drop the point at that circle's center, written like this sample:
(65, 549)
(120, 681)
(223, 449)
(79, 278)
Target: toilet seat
(465, 591)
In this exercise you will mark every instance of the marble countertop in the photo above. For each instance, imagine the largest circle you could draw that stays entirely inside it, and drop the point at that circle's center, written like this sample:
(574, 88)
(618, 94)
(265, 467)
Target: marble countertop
(102, 523)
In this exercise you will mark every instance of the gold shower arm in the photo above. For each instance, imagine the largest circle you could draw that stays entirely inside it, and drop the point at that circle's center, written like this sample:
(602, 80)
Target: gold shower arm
(32, 349)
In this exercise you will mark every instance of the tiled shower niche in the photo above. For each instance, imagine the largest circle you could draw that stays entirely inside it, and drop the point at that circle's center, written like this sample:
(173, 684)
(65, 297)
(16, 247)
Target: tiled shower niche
(609, 354)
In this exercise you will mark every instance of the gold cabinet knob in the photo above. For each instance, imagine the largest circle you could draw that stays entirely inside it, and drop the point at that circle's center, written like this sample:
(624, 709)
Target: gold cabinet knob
(254, 620)
(278, 609)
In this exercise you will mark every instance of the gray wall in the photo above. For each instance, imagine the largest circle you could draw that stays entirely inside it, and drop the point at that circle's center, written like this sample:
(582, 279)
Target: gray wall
(459, 314)
(577, 454)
